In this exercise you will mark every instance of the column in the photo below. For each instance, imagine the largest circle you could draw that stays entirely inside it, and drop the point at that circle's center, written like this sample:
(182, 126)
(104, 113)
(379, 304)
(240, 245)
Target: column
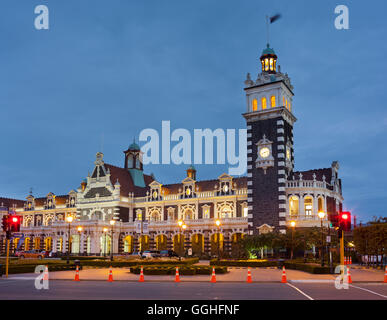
(187, 241)
(226, 243)
(207, 244)
(170, 241)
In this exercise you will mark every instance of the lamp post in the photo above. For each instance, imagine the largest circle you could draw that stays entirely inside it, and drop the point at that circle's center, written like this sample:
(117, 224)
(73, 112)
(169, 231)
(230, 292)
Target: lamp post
(182, 227)
(69, 219)
(293, 225)
(112, 222)
(321, 215)
(105, 230)
(79, 229)
(217, 223)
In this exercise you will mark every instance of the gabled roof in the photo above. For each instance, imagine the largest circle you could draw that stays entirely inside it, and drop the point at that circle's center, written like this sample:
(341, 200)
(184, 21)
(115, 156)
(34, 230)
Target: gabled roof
(204, 185)
(308, 175)
(7, 202)
(125, 179)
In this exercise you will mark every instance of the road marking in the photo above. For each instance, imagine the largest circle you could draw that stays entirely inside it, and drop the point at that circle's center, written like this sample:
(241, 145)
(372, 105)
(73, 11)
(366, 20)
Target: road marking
(378, 294)
(300, 291)
(313, 281)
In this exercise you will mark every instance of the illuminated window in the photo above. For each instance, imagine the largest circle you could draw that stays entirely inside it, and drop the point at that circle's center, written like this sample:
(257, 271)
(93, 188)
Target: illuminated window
(293, 206)
(286, 103)
(255, 105)
(289, 107)
(283, 100)
(272, 101)
(263, 65)
(308, 206)
(245, 212)
(264, 103)
(266, 64)
(320, 204)
(271, 64)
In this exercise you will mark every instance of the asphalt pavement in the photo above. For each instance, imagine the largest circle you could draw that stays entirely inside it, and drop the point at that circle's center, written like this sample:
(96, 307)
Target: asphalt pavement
(23, 288)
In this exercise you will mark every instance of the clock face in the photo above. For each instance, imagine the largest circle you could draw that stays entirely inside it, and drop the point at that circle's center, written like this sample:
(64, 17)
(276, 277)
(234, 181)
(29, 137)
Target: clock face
(264, 152)
(155, 194)
(225, 188)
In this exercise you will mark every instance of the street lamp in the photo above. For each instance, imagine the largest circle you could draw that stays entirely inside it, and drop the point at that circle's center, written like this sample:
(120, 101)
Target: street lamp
(182, 227)
(112, 222)
(105, 230)
(80, 229)
(321, 215)
(69, 219)
(217, 223)
(293, 225)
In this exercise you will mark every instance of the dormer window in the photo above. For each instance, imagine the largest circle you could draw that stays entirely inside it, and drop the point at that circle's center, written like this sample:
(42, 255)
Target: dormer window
(255, 105)
(264, 103)
(272, 101)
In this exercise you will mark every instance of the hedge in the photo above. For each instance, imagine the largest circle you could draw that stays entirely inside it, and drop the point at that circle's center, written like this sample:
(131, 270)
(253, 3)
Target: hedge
(244, 263)
(183, 270)
(311, 268)
(13, 269)
(131, 263)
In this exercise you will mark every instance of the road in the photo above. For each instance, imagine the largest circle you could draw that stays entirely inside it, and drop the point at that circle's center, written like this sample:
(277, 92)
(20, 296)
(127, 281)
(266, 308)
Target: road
(11, 289)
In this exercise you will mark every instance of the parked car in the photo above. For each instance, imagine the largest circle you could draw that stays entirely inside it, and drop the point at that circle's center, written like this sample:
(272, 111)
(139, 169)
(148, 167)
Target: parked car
(45, 253)
(35, 254)
(168, 253)
(135, 253)
(150, 254)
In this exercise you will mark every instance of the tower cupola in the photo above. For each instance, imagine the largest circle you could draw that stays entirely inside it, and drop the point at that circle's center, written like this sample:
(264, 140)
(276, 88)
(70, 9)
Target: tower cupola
(268, 60)
(133, 157)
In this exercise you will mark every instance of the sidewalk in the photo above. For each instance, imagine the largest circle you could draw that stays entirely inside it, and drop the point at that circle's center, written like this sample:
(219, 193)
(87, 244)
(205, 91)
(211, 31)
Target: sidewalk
(235, 275)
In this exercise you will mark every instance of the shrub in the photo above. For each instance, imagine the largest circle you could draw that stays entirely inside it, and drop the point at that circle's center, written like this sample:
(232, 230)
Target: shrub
(183, 270)
(311, 268)
(244, 263)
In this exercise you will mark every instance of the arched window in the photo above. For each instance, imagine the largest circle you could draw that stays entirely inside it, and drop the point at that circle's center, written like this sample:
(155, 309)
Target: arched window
(137, 163)
(130, 161)
(271, 64)
(293, 206)
(272, 101)
(320, 204)
(264, 103)
(283, 101)
(188, 214)
(289, 107)
(266, 64)
(308, 206)
(255, 105)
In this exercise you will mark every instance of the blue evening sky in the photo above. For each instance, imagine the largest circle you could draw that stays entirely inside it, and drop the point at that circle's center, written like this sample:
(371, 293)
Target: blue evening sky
(112, 68)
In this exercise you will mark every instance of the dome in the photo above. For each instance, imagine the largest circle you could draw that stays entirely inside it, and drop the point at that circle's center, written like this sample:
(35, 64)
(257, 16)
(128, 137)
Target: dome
(134, 146)
(268, 50)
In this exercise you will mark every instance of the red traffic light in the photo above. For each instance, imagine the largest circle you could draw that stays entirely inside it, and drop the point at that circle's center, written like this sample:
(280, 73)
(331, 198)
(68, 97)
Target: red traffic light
(345, 221)
(15, 219)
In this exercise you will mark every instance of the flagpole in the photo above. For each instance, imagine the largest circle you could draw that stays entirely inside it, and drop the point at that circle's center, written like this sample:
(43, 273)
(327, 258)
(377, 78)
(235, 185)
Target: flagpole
(267, 28)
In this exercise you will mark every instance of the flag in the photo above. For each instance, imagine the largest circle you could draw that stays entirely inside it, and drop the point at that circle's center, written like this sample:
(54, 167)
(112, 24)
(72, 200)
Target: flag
(275, 18)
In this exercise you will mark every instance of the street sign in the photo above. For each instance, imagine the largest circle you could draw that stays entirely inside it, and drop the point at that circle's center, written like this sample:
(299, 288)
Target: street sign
(145, 229)
(328, 238)
(18, 235)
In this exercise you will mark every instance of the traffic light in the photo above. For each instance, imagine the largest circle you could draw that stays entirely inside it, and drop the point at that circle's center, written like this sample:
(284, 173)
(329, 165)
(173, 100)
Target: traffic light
(14, 222)
(345, 221)
(4, 224)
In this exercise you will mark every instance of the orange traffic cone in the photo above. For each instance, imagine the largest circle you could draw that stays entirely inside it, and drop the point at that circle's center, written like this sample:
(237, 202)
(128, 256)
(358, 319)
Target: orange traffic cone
(76, 274)
(177, 278)
(345, 260)
(350, 260)
(349, 275)
(385, 275)
(141, 275)
(213, 277)
(283, 279)
(110, 279)
(249, 280)
(45, 274)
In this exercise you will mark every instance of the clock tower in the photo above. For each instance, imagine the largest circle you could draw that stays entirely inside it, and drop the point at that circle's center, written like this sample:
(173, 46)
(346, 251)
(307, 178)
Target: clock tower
(270, 158)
